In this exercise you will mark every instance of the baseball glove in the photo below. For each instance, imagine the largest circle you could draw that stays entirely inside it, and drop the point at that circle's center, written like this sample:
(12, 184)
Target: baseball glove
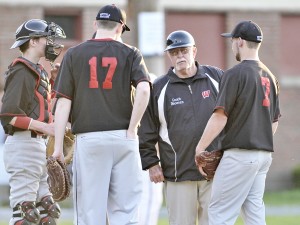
(68, 149)
(58, 179)
(209, 162)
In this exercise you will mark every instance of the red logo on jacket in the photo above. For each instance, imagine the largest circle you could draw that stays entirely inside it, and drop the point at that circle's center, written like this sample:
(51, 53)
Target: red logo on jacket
(205, 94)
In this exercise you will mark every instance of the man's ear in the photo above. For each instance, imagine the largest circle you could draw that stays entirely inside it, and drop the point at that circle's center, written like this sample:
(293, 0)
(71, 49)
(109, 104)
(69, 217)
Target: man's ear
(241, 42)
(119, 28)
(33, 41)
(95, 27)
(194, 51)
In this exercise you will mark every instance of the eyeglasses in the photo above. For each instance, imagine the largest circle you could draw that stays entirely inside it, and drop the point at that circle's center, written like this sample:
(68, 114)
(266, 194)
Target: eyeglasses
(175, 51)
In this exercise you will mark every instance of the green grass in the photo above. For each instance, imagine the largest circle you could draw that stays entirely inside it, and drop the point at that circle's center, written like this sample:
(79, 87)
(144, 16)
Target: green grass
(290, 197)
(274, 220)
(161, 222)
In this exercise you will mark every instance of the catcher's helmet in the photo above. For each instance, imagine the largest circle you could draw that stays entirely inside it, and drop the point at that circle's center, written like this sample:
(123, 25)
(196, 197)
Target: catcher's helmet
(40, 28)
(179, 39)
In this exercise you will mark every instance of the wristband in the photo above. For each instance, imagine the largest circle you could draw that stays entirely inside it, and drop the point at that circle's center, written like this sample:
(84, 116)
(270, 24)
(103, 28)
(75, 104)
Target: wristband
(23, 122)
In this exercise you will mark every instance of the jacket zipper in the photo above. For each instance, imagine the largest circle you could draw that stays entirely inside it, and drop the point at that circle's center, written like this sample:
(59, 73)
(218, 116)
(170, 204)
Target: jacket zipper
(190, 89)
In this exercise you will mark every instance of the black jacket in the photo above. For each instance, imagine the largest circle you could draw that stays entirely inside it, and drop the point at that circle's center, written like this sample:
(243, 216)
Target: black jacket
(175, 119)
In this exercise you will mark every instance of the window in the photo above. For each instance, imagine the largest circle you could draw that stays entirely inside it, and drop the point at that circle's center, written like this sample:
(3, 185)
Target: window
(69, 21)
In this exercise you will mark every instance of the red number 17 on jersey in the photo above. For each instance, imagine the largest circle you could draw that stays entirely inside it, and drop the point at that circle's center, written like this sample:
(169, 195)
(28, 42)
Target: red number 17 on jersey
(110, 62)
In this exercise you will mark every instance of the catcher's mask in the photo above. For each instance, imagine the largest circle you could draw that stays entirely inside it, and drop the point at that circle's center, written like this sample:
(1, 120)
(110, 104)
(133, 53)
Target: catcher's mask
(179, 39)
(40, 28)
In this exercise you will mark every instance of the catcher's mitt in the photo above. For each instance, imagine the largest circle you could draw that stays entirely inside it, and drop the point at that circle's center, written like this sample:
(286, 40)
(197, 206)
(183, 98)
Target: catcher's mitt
(69, 140)
(209, 162)
(58, 179)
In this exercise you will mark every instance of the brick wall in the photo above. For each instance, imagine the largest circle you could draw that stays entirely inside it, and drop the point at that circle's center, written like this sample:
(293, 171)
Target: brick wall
(269, 23)
(286, 140)
(10, 19)
(88, 16)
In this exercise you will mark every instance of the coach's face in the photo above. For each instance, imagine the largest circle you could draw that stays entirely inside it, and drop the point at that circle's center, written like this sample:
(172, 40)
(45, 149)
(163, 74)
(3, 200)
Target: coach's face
(182, 58)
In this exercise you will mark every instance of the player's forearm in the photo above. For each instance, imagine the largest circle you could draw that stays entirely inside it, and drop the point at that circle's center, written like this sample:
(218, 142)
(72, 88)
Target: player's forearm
(140, 104)
(214, 126)
(42, 127)
(28, 123)
(62, 112)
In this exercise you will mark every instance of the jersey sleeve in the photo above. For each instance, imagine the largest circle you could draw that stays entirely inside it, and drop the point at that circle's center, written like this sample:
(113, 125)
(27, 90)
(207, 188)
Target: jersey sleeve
(139, 70)
(228, 92)
(63, 86)
(19, 88)
(148, 136)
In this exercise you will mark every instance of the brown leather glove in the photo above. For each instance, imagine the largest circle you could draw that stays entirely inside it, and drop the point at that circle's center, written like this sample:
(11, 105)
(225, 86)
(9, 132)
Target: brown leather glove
(209, 162)
(68, 149)
(58, 179)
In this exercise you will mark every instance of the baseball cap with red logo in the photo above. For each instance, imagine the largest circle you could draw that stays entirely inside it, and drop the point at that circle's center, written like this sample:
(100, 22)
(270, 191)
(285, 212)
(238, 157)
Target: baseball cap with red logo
(113, 13)
(246, 30)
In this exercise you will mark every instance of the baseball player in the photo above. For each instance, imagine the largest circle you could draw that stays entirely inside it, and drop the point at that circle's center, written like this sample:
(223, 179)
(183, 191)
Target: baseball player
(26, 118)
(247, 111)
(95, 86)
(180, 105)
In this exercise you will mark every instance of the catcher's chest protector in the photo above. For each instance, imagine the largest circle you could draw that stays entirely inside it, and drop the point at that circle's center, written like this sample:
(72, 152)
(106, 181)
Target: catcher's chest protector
(42, 92)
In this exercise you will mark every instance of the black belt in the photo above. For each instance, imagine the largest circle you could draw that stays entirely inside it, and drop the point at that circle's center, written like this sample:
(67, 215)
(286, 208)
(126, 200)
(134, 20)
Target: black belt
(35, 135)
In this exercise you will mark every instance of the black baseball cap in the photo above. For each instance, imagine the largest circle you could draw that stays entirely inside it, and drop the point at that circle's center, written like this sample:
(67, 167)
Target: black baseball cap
(246, 30)
(113, 13)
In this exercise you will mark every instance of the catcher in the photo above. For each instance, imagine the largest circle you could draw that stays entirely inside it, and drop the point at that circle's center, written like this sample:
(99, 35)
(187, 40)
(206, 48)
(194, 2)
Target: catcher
(26, 118)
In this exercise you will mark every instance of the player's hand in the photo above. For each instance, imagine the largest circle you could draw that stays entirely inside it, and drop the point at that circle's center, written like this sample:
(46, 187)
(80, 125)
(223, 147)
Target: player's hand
(200, 168)
(131, 134)
(54, 71)
(58, 155)
(156, 174)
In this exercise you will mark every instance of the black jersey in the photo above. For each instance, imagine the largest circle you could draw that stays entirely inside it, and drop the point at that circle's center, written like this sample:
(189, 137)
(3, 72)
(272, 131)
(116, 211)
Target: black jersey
(99, 76)
(249, 96)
